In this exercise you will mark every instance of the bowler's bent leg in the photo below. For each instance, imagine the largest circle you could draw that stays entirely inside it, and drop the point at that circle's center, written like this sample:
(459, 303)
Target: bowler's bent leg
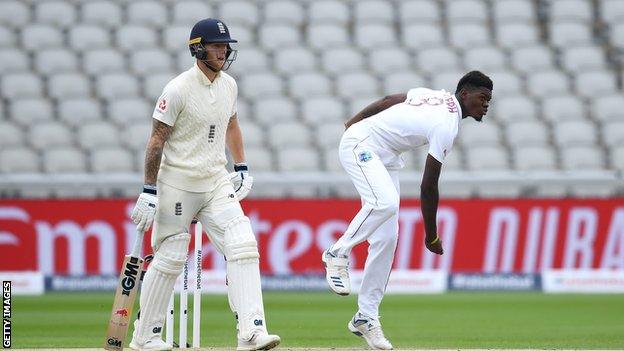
(376, 188)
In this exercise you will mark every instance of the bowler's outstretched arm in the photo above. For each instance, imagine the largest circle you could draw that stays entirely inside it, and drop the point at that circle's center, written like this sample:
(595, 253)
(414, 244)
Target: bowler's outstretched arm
(376, 107)
(429, 197)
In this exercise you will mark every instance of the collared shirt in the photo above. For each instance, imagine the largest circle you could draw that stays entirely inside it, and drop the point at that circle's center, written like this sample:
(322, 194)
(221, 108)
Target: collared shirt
(199, 112)
(425, 117)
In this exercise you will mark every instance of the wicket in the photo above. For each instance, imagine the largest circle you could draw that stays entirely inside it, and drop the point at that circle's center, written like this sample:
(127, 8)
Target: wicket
(169, 322)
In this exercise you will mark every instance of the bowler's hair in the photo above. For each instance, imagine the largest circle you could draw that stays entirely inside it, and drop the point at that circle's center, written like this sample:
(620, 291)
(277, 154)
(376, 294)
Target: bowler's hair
(473, 80)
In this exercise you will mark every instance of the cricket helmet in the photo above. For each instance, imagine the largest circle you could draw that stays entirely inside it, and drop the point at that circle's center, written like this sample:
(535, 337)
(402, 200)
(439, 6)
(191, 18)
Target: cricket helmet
(208, 31)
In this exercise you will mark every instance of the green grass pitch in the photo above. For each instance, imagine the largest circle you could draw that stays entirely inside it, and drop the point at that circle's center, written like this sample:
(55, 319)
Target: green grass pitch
(446, 321)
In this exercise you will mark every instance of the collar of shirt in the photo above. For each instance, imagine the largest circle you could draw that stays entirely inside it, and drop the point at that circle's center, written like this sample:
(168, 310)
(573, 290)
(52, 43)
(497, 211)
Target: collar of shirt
(202, 77)
(459, 111)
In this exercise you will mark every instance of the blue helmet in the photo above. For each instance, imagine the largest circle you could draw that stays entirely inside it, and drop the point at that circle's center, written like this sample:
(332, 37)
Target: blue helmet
(210, 30)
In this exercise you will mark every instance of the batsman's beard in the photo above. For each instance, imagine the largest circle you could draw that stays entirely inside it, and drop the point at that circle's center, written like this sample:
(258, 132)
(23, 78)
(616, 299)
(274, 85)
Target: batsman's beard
(226, 63)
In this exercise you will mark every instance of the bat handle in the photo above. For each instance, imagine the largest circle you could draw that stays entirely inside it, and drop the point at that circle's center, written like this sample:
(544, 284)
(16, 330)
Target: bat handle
(138, 244)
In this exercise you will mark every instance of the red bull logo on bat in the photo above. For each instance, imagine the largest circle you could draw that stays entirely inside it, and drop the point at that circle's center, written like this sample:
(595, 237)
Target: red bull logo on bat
(122, 312)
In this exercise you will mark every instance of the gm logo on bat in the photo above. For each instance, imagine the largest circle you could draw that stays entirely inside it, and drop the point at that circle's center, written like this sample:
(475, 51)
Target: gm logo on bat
(130, 274)
(114, 342)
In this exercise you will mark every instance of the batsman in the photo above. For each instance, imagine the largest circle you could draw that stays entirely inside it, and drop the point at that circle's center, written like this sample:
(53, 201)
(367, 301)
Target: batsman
(185, 178)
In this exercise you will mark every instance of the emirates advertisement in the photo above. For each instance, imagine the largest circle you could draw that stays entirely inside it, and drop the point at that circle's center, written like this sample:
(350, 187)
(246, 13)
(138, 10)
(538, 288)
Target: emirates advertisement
(77, 237)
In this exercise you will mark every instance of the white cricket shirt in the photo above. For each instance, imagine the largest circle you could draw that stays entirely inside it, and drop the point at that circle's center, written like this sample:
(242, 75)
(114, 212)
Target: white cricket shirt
(426, 117)
(199, 111)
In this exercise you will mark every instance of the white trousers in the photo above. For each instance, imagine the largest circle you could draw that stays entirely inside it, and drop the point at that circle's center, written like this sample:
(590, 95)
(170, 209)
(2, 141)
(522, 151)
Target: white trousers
(216, 210)
(177, 208)
(377, 220)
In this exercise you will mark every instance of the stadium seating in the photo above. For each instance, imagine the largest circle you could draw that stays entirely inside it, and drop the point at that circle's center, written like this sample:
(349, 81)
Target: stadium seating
(608, 107)
(68, 86)
(276, 110)
(342, 60)
(50, 134)
(329, 11)
(418, 35)
(11, 134)
(563, 108)
(393, 59)
(15, 14)
(263, 159)
(30, 111)
(79, 79)
(97, 135)
(286, 135)
(254, 136)
(534, 158)
(298, 159)
(75, 112)
(87, 37)
(302, 85)
(294, 59)
(328, 135)
(514, 108)
(513, 11)
(64, 160)
(290, 12)
(487, 158)
(617, 157)
(485, 134)
(484, 58)
(394, 83)
(326, 35)
(333, 110)
(526, 133)
(19, 160)
(101, 13)
(135, 137)
(52, 61)
(532, 58)
(112, 160)
(130, 110)
(582, 158)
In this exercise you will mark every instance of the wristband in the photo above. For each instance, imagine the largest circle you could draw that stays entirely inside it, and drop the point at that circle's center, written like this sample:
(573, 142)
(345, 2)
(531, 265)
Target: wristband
(437, 238)
(242, 166)
(150, 189)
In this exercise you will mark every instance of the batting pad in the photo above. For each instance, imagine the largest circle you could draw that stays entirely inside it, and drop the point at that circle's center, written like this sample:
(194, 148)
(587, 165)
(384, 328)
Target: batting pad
(243, 274)
(158, 286)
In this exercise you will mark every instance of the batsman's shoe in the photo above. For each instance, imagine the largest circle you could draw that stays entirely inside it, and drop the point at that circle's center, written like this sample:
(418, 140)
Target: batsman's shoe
(259, 341)
(151, 345)
(370, 330)
(337, 273)
(154, 342)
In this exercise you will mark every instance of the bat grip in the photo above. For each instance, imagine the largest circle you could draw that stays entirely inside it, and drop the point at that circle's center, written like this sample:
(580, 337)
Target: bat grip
(138, 243)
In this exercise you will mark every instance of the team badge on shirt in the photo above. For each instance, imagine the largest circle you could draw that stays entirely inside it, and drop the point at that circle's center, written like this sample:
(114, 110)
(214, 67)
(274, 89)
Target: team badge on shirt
(365, 156)
(162, 105)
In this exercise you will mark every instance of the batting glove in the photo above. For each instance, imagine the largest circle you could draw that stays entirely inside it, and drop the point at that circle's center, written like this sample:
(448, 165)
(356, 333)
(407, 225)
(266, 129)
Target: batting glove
(145, 208)
(241, 180)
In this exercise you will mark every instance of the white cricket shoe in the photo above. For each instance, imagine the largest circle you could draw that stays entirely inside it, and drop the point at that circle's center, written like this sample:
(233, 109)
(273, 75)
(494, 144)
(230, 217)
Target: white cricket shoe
(155, 344)
(259, 342)
(337, 273)
(370, 330)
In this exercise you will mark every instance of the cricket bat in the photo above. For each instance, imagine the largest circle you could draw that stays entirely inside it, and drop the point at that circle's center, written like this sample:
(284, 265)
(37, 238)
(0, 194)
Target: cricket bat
(127, 288)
